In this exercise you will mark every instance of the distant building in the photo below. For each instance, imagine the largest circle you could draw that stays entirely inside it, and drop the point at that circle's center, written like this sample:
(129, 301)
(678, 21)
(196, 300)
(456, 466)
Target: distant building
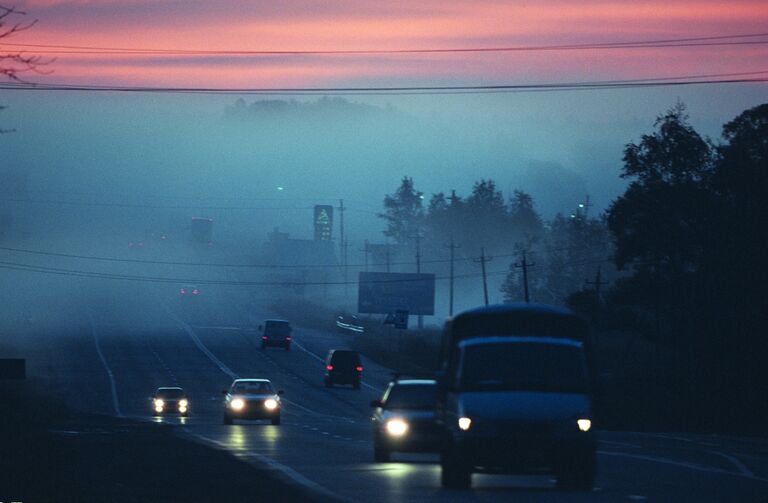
(297, 262)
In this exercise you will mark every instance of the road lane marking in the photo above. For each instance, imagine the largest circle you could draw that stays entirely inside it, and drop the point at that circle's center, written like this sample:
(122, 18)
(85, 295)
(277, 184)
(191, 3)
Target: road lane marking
(188, 329)
(199, 343)
(738, 464)
(279, 467)
(115, 402)
(681, 464)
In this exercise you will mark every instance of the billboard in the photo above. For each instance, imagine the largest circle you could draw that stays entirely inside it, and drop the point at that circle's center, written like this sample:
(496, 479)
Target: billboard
(323, 222)
(387, 292)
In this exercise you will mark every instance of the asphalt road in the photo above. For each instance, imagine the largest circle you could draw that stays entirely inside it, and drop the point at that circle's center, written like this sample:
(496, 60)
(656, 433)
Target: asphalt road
(110, 356)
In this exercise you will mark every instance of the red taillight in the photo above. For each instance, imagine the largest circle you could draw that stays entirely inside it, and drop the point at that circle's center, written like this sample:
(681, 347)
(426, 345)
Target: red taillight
(195, 291)
(263, 337)
(288, 338)
(359, 368)
(329, 367)
(182, 291)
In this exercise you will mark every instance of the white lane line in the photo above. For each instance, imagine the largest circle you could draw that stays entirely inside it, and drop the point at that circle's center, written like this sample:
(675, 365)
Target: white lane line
(199, 343)
(279, 467)
(217, 328)
(115, 402)
(681, 464)
(188, 329)
(738, 464)
(316, 357)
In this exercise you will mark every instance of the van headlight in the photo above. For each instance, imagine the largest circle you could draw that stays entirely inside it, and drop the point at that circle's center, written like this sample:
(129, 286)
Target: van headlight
(396, 427)
(465, 423)
(270, 404)
(237, 404)
(584, 424)
(159, 403)
(183, 402)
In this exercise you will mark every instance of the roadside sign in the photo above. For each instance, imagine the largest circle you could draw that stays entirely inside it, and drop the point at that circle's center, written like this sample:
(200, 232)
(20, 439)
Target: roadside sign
(385, 292)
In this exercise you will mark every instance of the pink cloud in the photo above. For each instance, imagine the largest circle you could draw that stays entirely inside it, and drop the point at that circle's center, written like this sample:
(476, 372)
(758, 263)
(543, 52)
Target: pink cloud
(302, 25)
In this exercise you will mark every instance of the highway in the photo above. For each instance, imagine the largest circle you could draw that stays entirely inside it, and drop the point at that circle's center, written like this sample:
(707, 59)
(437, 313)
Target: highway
(108, 357)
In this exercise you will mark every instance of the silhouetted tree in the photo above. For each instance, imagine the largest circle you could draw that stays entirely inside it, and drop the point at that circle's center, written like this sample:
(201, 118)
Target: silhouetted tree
(14, 63)
(523, 217)
(403, 212)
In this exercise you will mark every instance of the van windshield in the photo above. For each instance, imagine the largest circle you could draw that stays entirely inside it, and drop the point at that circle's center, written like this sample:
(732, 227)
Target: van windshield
(514, 366)
(277, 328)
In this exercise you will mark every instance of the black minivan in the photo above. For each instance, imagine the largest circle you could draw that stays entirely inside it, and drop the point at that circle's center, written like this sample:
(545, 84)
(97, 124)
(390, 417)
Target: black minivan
(342, 366)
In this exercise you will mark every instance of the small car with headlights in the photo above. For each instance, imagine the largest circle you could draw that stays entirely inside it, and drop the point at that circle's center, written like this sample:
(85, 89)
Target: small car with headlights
(252, 399)
(342, 366)
(404, 419)
(276, 333)
(170, 400)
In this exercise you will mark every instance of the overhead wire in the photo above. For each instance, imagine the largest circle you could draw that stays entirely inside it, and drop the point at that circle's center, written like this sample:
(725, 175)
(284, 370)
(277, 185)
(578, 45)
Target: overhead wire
(708, 41)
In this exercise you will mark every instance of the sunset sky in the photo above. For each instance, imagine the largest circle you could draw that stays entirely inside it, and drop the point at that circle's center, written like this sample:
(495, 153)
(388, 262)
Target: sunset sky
(559, 146)
(392, 25)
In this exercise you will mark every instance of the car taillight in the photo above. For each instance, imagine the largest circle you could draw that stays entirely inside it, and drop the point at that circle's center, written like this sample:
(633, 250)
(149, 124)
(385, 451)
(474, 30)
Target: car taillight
(329, 367)
(288, 338)
(263, 337)
(195, 291)
(359, 368)
(182, 291)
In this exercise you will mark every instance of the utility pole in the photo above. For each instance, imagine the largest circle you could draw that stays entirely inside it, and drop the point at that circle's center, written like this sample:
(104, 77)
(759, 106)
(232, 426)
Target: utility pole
(524, 266)
(482, 260)
(418, 270)
(341, 230)
(453, 247)
(386, 253)
(597, 283)
(342, 245)
(365, 251)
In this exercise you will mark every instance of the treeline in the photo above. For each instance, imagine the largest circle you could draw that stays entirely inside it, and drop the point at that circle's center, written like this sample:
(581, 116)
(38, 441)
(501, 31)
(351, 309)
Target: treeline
(563, 252)
(678, 260)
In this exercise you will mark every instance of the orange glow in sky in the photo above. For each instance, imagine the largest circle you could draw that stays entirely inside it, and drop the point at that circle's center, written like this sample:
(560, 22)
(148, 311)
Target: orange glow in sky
(364, 24)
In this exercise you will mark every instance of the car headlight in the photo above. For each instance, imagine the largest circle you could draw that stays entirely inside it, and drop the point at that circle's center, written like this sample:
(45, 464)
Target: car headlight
(397, 427)
(465, 423)
(159, 403)
(183, 403)
(584, 424)
(237, 404)
(270, 403)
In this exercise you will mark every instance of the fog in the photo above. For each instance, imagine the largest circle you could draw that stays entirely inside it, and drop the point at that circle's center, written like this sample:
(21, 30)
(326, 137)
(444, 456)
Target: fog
(92, 174)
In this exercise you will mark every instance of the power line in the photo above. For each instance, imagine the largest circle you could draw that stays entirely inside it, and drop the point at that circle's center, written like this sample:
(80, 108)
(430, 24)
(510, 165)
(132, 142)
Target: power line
(711, 79)
(201, 281)
(639, 44)
(220, 264)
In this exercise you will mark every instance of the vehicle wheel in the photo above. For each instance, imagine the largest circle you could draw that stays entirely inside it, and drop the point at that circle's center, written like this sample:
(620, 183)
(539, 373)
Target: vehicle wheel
(454, 473)
(227, 419)
(356, 385)
(288, 347)
(276, 420)
(328, 383)
(577, 476)
(263, 347)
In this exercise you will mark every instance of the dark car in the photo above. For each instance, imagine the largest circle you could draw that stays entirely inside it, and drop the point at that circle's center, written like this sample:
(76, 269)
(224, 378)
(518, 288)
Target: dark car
(404, 419)
(276, 333)
(170, 400)
(252, 399)
(342, 366)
